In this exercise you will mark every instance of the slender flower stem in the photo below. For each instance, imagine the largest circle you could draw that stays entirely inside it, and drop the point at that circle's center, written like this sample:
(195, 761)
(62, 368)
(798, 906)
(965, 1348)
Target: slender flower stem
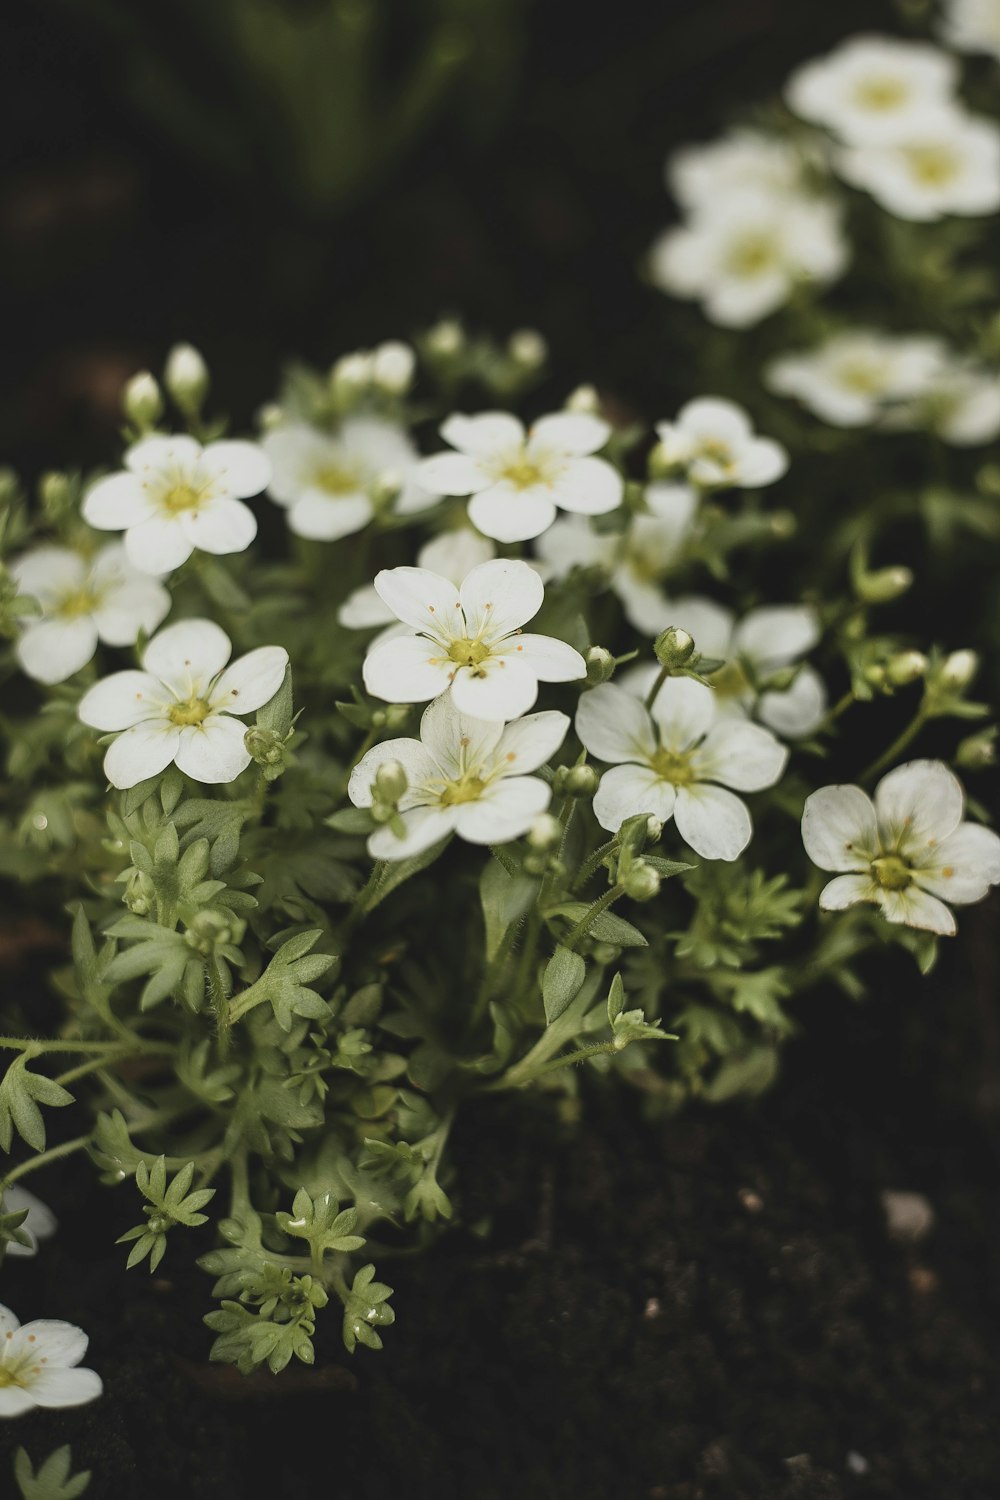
(840, 707)
(44, 1157)
(590, 916)
(593, 863)
(651, 696)
(897, 747)
(40, 1045)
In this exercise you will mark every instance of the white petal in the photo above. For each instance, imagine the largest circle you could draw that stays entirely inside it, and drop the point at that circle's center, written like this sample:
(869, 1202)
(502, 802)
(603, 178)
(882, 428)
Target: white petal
(626, 791)
(158, 545)
(154, 453)
(776, 635)
(220, 526)
(847, 890)
(425, 826)
(15, 1401)
(61, 1343)
(408, 669)
(743, 756)
(614, 725)
(243, 468)
(451, 474)
(571, 542)
(550, 659)
(684, 710)
(457, 742)
(762, 462)
(9, 1321)
(423, 600)
(49, 573)
(251, 681)
(213, 751)
(510, 515)
(115, 503)
(414, 758)
(363, 609)
(488, 433)
(918, 804)
(144, 750)
(121, 700)
(187, 655)
(529, 742)
(326, 518)
(588, 487)
(715, 418)
(453, 554)
(568, 432)
(798, 710)
(838, 828)
(710, 624)
(52, 650)
(136, 604)
(964, 866)
(504, 811)
(295, 452)
(499, 689)
(58, 1388)
(713, 821)
(915, 908)
(499, 597)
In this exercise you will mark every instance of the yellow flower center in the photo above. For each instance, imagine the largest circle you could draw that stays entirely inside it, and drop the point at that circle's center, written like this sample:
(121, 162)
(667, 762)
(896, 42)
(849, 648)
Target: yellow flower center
(83, 602)
(181, 497)
(191, 712)
(730, 681)
(523, 472)
(469, 789)
(336, 479)
(861, 376)
(932, 165)
(881, 94)
(752, 255)
(891, 873)
(468, 653)
(673, 766)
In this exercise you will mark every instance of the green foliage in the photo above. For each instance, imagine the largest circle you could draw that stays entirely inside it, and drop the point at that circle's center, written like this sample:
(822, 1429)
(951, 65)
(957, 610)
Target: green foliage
(169, 1205)
(52, 1480)
(21, 1093)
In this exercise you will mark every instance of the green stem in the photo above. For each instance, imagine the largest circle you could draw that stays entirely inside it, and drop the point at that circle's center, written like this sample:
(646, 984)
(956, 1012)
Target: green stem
(593, 863)
(590, 916)
(43, 1158)
(651, 696)
(897, 747)
(568, 1058)
(39, 1046)
(840, 707)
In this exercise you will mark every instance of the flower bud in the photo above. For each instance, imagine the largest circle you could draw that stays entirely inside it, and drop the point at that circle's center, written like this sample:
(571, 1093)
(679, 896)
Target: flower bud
(600, 665)
(576, 781)
(978, 751)
(270, 416)
(958, 670)
(605, 953)
(642, 882)
(140, 894)
(396, 715)
(266, 747)
(654, 829)
(142, 401)
(882, 586)
(390, 782)
(905, 667)
(211, 930)
(874, 675)
(58, 495)
(545, 832)
(584, 400)
(673, 647)
(783, 524)
(660, 463)
(392, 367)
(527, 348)
(351, 374)
(185, 376)
(445, 339)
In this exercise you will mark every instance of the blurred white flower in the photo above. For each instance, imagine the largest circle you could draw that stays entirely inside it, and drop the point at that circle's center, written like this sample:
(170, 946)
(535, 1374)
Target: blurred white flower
(329, 482)
(452, 554)
(701, 175)
(82, 601)
(972, 25)
(179, 707)
(949, 163)
(848, 379)
(713, 441)
(873, 89)
(175, 496)
(393, 364)
(907, 851)
(39, 1225)
(469, 640)
(465, 776)
(961, 405)
(516, 479)
(38, 1365)
(743, 257)
(678, 760)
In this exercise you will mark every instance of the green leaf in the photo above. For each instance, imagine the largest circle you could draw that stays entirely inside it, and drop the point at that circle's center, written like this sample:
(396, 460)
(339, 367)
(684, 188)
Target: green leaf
(399, 870)
(283, 984)
(53, 1480)
(606, 926)
(276, 714)
(748, 1073)
(505, 899)
(616, 999)
(564, 974)
(21, 1092)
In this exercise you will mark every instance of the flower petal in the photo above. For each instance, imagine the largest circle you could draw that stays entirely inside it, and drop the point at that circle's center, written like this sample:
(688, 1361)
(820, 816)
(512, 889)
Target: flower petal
(454, 554)
(187, 655)
(115, 503)
(626, 791)
(504, 811)
(121, 700)
(326, 518)
(799, 709)
(52, 650)
(425, 826)
(213, 751)
(568, 432)
(918, 804)
(499, 689)
(776, 635)
(713, 821)
(158, 545)
(915, 908)
(243, 468)
(15, 1401)
(740, 755)
(964, 866)
(529, 742)
(451, 474)
(144, 750)
(49, 573)
(363, 610)
(847, 890)
(550, 659)
(614, 725)
(839, 829)
(588, 487)
(684, 710)
(763, 461)
(411, 755)
(487, 433)
(58, 1388)
(9, 1321)
(407, 669)
(457, 742)
(499, 597)
(62, 1343)
(510, 515)
(175, 452)
(423, 600)
(713, 417)
(250, 681)
(135, 604)
(220, 526)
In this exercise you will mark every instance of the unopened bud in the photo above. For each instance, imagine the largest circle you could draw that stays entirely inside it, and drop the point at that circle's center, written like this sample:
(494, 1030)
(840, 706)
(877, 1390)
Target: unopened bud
(185, 376)
(445, 339)
(545, 832)
(654, 829)
(874, 675)
(390, 782)
(527, 348)
(211, 930)
(958, 670)
(57, 492)
(396, 715)
(673, 647)
(605, 953)
(978, 751)
(142, 401)
(270, 416)
(600, 665)
(576, 781)
(642, 882)
(351, 373)
(583, 400)
(882, 586)
(906, 667)
(266, 747)
(783, 524)
(392, 367)
(660, 462)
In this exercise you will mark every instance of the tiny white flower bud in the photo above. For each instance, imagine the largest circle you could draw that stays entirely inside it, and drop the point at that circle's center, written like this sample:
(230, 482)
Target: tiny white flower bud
(185, 376)
(600, 665)
(884, 585)
(654, 829)
(906, 667)
(270, 416)
(958, 669)
(143, 401)
(445, 338)
(584, 400)
(527, 348)
(390, 781)
(978, 750)
(352, 372)
(545, 832)
(642, 882)
(673, 647)
(392, 367)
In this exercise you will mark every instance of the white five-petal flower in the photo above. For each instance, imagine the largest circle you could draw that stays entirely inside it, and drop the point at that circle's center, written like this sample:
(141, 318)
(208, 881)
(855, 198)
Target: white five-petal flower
(39, 1225)
(714, 442)
(465, 776)
(678, 760)
(81, 602)
(328, 481)
(873, 89)
(702, 175)
(949, 163)
(174, 497)
(848, 379)
(961, 405)
(518, 480)
(452, 554)
(907, 850)
(469, 640)
(38, 1365)
(181, 706)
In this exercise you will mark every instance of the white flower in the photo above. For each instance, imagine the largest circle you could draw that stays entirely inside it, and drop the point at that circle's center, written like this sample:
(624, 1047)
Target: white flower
(961, 405)
(847, 380)
(744, 256)
(393, 364)
(465, 776)
(82, 602)
(329, 480)
(766, 641)
(185, 375)
(949, 163)
(518, 479)
(179, 707)
(452, 554)
(174, 496)
(907, 851)
(468, 639)
(678, 761)
(713, 441)
(872, 89)
(37, 1365)
(39, 1225)
(972, 25)
(700, 175)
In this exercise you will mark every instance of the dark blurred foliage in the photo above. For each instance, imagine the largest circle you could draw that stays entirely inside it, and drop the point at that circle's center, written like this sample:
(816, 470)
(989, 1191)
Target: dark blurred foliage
(277, 177)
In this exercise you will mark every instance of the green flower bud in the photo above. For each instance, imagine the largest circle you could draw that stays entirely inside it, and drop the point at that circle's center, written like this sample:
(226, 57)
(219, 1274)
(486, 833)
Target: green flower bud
(654, 829)
(978, 751)
(783, 524)
(445, 339)
(58, 495)
(396, 715)
(266, 747)
(906, 667)
(605, 953)
(211, 930)
(576, 781)
(140, 894)
(527, 348)
(882, 586)
(392, 367)
(874, 675)
(660, 463)
(142, 401)
(673, 647)
(641, 882)
(958, 670)
(390, 782)
(600, 665)
(545, 832)
(185, 376)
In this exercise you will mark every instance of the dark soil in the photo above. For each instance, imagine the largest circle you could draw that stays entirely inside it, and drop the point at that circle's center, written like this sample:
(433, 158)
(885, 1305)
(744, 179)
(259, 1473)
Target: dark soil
(708, 1307)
